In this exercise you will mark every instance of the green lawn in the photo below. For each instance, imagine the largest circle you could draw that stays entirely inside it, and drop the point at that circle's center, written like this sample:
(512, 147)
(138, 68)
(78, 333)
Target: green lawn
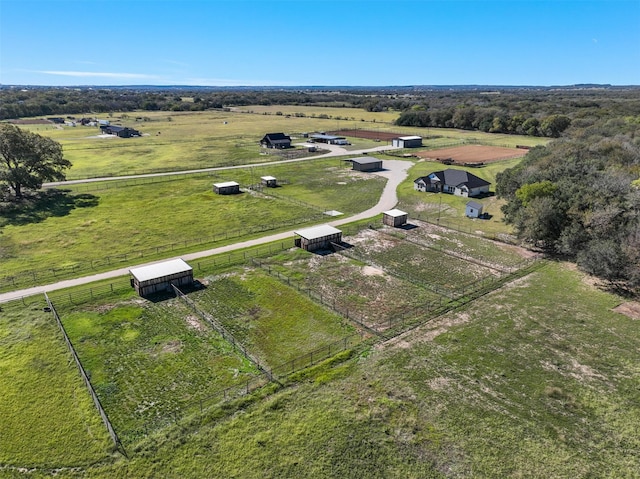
(48, 419)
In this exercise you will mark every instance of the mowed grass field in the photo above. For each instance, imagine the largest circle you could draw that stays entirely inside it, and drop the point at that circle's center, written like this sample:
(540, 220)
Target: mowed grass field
(48, 419)
(537, 379)
(86, 223)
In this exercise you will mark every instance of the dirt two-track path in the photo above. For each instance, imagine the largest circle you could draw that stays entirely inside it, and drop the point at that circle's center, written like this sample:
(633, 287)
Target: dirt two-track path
(394, 170)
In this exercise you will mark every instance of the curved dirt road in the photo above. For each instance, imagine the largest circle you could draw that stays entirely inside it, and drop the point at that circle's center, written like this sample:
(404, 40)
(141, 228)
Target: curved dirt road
(395, 172)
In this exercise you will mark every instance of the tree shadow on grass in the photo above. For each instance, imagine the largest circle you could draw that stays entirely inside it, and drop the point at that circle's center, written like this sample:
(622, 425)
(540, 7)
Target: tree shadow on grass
(42, 205)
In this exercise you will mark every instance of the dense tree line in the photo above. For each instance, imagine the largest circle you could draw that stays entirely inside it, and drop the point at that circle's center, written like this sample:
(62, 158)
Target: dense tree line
(579, 197)
(509, 110)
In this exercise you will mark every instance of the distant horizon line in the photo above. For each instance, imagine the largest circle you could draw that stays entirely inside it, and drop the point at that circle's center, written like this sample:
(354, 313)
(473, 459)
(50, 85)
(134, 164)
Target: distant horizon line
(315, 87)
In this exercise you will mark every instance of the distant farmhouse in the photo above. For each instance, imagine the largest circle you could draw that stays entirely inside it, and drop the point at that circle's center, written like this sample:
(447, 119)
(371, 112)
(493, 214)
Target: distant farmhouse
(119, 131)
(455, 182)
(276, 140)
(407, 142)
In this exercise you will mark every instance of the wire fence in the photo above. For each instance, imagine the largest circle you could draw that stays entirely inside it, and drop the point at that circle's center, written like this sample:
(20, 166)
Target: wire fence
(85, 377)
(41, 276)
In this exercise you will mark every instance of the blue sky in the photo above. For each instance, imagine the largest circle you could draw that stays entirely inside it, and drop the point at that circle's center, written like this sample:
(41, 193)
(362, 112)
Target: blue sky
(305, 42)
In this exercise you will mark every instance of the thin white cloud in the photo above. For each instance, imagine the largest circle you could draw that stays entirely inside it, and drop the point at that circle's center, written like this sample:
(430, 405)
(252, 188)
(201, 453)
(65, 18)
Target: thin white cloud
(113, 75)
(232, 82)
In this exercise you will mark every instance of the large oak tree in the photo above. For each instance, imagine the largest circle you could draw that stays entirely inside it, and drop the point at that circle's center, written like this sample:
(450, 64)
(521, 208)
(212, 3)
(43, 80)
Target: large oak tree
(27, 159)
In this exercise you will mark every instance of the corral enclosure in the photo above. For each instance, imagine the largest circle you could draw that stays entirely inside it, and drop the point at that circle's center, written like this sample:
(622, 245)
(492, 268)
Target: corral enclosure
(472, 154)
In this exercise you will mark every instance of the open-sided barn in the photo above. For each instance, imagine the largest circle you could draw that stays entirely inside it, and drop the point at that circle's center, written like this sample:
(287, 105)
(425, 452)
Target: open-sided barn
(317, 237)
(159, 277)
(269, 181)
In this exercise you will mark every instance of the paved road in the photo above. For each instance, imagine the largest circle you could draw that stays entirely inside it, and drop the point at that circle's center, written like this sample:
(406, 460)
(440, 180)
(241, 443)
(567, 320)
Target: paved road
(395, 172)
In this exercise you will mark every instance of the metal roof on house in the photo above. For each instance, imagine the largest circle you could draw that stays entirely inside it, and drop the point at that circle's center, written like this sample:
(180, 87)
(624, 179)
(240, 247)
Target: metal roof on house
(226, 184)
(316, 232)
(395, 213)
(366, 161)
(160, 270)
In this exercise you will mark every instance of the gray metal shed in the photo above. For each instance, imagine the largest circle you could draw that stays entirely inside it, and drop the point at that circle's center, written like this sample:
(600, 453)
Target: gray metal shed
(407, 142)
(366, 164)
(226, 188)
(394, 217)
(473, 209)
(318, 237)
(160, 276)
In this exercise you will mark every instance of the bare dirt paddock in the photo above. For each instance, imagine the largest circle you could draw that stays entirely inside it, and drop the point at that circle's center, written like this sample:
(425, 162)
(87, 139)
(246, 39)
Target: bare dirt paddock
(368, 134)
(472, 154)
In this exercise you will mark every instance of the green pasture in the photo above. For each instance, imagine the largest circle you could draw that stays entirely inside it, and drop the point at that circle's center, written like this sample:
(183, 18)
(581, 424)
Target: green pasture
(272, 320)
(48, 419)
(84, 224)
(508, 386)
(174, 141)
(449, 210)
(151, 363)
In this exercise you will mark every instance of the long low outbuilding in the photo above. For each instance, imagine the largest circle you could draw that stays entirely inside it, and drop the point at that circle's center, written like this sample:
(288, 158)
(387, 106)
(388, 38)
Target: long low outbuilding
(159, 277)
(318, 237)
(407, 142)
(366, 164)
(226, 188)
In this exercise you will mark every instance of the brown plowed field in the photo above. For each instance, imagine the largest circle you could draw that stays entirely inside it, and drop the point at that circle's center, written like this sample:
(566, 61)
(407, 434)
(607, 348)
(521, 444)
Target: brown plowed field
(368, 134)
(472, 154)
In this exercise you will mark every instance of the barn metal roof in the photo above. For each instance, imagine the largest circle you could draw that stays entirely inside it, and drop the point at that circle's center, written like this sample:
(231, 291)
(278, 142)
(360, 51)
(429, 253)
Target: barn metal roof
(268, 178)
(159, 270)
(366, 161)
(226, 184)
(316, 232)
(394, 213)
(409, 138)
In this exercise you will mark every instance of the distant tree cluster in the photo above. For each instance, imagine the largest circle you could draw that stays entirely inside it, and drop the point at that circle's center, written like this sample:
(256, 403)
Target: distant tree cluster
(487, 120)
(579, 197)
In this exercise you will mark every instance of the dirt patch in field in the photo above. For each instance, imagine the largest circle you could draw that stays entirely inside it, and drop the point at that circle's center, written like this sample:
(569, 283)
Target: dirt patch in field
(371, 271)
(630, 309)
(194, 323)
(368, 134)
(472, 154)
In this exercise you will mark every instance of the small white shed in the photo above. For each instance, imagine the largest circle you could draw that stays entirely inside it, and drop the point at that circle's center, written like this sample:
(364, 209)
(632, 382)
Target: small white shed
(473, 209)
(394, 217)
